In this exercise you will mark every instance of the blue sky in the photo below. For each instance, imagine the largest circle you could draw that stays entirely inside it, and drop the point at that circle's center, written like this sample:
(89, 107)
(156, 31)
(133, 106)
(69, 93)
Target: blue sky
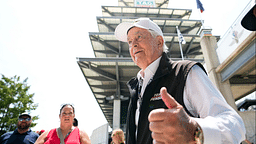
(40, 40)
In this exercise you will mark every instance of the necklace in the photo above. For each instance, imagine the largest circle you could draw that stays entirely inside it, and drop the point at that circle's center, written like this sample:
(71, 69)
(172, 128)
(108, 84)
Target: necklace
(68, 133)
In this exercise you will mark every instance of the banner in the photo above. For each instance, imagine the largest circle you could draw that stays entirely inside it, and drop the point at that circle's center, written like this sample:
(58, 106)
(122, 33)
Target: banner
(144, 3)
(180, 36)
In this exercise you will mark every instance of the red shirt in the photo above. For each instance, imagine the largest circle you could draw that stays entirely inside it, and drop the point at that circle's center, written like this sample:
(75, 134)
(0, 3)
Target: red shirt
(72, 138)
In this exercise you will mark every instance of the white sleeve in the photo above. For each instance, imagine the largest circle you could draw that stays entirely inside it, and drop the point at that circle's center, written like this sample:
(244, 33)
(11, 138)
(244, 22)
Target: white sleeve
(219, 121)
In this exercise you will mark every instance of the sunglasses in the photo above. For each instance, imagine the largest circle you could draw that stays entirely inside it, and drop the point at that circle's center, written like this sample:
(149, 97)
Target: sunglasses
(26, 119)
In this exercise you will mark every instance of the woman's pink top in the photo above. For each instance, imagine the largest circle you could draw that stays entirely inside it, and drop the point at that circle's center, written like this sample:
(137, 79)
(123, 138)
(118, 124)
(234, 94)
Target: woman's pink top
(72, 138)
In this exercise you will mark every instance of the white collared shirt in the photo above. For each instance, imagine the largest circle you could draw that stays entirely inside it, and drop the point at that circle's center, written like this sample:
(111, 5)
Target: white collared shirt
(148, 74)
(219, 121)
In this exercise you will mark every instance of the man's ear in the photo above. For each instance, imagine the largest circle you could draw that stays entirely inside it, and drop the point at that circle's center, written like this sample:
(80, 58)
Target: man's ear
(160, 41)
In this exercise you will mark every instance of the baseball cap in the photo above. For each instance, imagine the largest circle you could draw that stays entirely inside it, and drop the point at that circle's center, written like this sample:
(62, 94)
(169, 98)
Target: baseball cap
(249, 20)
(25, 114)
(122, 29)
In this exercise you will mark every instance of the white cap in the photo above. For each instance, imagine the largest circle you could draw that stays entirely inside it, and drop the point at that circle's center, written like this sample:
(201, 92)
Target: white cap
(25, 114)
(145, 23)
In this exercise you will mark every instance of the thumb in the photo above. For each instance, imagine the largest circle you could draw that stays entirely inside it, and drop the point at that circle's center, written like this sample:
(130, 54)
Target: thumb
(169, 101)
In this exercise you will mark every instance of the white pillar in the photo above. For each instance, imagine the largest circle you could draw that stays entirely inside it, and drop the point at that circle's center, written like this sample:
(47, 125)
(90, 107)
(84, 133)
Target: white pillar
(209, 45)
(116, 113)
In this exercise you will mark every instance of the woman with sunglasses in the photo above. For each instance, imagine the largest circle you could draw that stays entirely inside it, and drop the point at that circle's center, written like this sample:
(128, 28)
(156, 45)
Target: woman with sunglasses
(66, 133)
(117, 137)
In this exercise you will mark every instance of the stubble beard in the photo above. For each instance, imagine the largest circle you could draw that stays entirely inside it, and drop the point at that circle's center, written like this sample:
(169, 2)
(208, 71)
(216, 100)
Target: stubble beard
(23, 127)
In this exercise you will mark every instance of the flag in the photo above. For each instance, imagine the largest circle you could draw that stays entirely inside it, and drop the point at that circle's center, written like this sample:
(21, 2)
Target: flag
(180, 36)
(200, 5)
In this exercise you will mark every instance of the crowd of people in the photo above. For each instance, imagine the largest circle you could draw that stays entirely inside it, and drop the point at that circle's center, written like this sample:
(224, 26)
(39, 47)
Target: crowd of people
(171, 101)
(67, 133)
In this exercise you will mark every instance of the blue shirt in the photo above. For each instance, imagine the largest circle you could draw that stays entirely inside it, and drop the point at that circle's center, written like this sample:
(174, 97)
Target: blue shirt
(15, 137)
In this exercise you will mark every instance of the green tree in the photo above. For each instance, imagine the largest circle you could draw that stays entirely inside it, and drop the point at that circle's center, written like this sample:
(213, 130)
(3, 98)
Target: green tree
(14, 100)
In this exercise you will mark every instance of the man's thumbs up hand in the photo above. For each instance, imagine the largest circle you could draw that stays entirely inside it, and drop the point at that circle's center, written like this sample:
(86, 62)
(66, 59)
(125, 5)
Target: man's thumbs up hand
(169, 101)
(171, 125)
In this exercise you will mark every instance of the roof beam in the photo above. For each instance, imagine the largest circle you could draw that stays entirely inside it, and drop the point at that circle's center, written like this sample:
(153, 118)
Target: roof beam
(97, 70)
(112, 48)
(240, 79)
(111, 93)
(185, 14)
(189, 46)
(97, 78)
(191, 28)
(171, 43)
(108, 59)
(103, 22)
(122, 79)
(125, 3)
(163, 3)
(103, 7)
(108, 87)
(123, 53)
(195, 49)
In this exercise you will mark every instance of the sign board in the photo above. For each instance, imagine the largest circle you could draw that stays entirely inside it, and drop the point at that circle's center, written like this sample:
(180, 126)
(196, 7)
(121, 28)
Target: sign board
(144, 3)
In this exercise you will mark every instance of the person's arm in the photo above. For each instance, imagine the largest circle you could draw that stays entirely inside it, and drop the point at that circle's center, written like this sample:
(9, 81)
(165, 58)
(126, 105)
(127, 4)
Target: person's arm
(219, 121)
(41, 138)
(84, 138)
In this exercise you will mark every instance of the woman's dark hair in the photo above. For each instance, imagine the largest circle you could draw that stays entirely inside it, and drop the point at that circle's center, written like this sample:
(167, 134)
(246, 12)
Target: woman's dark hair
(67, 105)
(75, 122)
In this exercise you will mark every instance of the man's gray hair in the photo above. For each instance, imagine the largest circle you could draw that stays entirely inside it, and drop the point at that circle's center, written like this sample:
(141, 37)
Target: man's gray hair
(155, 34)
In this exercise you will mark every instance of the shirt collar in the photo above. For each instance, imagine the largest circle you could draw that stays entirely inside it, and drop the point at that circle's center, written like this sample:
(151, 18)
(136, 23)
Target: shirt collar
(150, 70)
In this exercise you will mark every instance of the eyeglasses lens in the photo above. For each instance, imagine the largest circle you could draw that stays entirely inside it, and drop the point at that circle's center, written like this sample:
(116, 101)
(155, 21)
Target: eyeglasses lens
(26, 119)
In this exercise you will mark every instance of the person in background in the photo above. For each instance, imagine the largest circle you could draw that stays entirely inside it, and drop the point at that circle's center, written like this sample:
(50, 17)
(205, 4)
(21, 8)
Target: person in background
(117, 136)
(66, 133)
(22, 134)
(110, 140)
(249, 20)
(75, 123)
(173, 101)
(40, 132)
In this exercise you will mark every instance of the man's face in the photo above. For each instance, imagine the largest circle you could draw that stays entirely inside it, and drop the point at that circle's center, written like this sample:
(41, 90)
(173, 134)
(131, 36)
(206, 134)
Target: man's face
(24, 124)
(144, 48)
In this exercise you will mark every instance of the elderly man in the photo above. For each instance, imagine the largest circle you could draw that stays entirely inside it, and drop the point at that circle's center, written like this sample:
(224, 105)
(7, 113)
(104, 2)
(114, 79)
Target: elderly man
(21, 135)
(172, 101)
